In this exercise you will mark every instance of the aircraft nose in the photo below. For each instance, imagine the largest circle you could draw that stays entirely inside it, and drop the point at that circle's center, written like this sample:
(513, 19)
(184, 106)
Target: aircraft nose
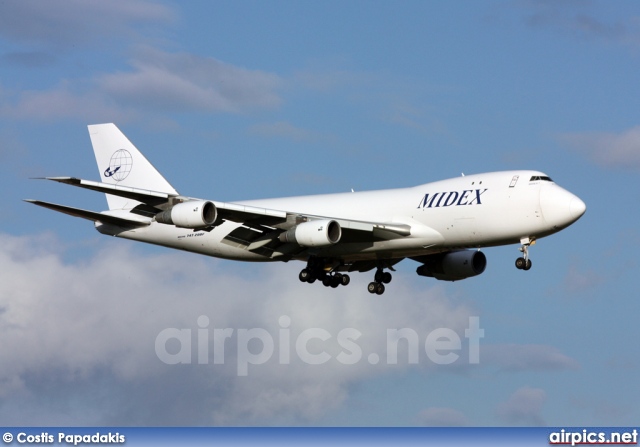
(559, 207)
(577, 208)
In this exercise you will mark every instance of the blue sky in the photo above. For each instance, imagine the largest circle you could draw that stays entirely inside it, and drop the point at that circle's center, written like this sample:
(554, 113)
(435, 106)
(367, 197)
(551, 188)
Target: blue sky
(243, 100)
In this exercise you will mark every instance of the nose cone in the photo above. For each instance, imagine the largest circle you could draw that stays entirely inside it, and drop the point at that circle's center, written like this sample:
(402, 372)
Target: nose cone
(577, 208)
(559, 207)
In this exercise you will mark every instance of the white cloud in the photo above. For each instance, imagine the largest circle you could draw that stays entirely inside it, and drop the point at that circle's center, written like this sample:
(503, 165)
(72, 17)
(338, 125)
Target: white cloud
(578, 19)
(77, 22)
(608, 149)
(155, 81)
(582, 281)
(183, 81)
(524, 407)
(423, 119)
(528, 357)
(81, 333)
(63, 102)
(442, 417)
(158, 82)
(601, 411)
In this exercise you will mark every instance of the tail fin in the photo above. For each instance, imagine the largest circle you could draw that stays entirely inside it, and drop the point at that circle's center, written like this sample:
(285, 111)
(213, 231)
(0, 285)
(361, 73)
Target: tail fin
(121, 163)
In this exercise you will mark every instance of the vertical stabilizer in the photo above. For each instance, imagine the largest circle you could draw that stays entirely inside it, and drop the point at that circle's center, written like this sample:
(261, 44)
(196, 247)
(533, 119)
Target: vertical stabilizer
(121, 163)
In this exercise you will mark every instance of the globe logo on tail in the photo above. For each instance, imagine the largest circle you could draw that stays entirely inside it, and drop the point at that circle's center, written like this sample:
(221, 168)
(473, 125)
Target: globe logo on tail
(119, 165)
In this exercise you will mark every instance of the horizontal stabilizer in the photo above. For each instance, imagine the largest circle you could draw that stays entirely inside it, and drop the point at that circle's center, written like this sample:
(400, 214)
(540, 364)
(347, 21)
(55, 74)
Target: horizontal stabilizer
(152, 198)
(91, 215)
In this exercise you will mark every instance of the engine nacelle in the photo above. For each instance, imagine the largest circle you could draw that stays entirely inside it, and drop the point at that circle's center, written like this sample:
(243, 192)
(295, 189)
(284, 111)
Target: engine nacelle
(316, 233)
(194, 214)
(454, 265)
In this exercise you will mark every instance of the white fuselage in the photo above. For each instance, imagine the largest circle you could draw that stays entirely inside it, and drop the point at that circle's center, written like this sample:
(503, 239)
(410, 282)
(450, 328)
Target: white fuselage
(481, 210)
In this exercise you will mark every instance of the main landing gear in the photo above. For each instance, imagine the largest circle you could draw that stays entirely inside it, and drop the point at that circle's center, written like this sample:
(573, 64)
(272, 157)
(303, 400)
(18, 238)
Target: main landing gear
(315, 271)
(320, 270)
(524, 263)
(381, 279)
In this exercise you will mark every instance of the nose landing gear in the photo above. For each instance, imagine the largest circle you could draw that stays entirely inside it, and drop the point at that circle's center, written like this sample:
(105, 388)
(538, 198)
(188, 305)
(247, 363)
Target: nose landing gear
(524, 263)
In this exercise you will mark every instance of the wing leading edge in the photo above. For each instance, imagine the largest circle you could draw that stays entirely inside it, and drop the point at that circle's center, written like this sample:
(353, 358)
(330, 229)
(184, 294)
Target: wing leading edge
(251, 216)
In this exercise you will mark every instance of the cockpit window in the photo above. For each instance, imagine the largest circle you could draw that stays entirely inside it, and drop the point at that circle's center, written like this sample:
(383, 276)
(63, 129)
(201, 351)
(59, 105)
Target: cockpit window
(544, 178)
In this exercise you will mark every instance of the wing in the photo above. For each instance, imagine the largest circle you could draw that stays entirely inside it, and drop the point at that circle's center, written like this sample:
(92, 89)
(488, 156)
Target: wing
(155, 202)
(260, 229)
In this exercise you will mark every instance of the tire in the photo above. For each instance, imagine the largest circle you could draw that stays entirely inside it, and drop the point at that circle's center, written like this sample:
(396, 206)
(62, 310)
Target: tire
(520, 263)
(305, 275)
(386, 277)
(527, 265)
(345, 280)
(380, 289)
(372, 287)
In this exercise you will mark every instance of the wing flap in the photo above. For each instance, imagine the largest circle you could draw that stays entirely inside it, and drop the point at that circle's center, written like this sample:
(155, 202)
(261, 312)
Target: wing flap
(250, 214)
(380, 229)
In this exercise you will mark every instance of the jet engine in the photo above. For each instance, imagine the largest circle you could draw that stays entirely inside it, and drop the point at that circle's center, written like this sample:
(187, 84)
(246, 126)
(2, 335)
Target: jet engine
(316, 233)
(454, 265)
(194, 214)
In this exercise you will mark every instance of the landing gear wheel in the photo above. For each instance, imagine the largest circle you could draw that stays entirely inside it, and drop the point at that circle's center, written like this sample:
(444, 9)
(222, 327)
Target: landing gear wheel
(380, 289)
(326, 281)
(345, 280)
(382, 277)
(372, 287)
(305, 275)
(524, 263)
(335, 281)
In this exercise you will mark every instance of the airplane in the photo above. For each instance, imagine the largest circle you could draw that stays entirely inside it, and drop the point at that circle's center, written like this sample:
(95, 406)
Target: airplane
(442, 225)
